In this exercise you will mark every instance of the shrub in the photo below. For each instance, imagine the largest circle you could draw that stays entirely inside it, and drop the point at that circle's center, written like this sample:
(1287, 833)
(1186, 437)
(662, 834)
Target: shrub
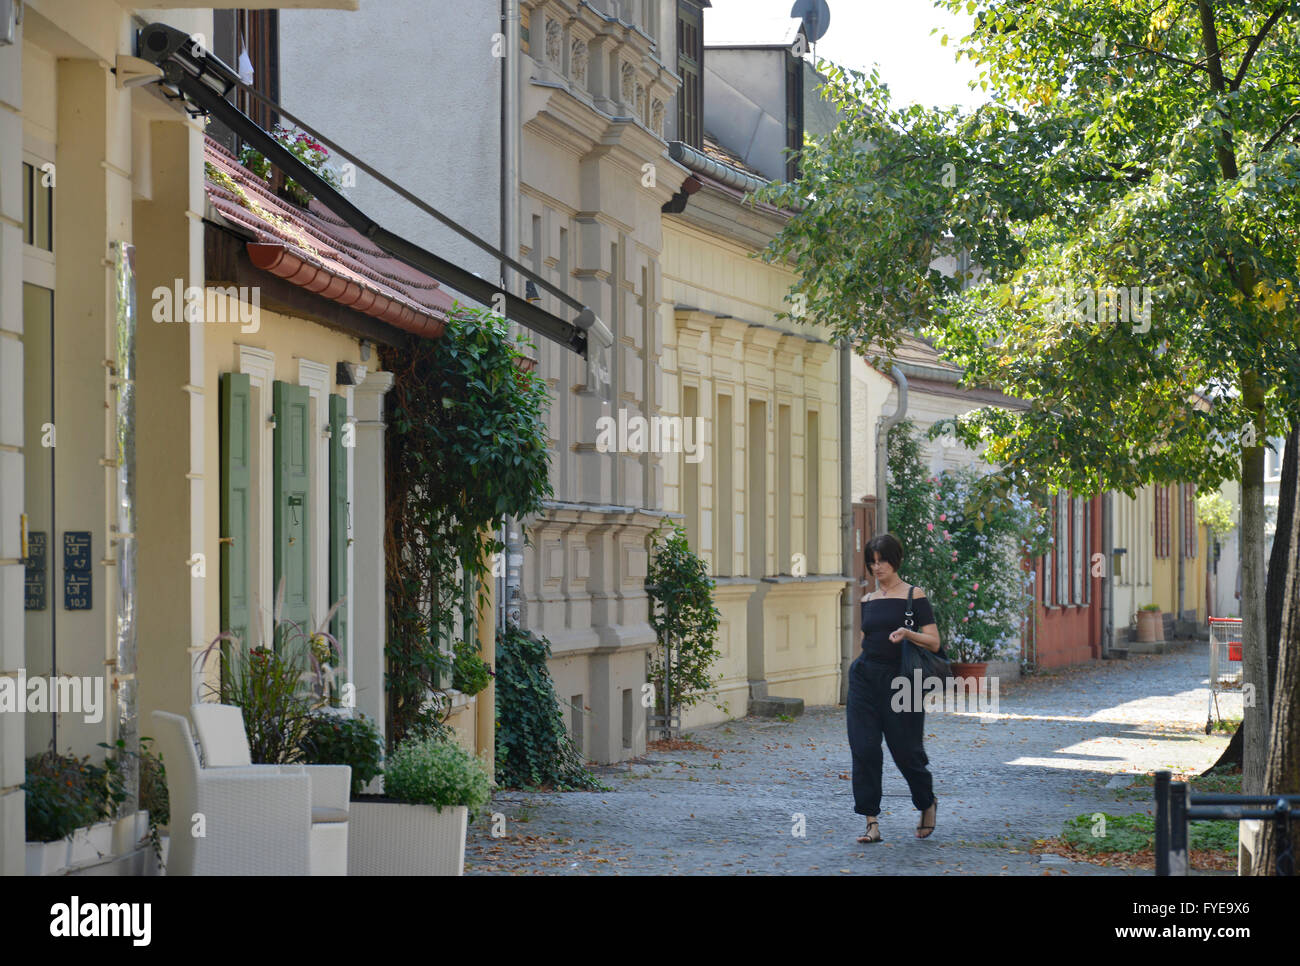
(466, 447)
(679, 582)
(437, 773)
(1150, 607)
(333, 739)
(533, 746)
(270, 688)
(65, 793)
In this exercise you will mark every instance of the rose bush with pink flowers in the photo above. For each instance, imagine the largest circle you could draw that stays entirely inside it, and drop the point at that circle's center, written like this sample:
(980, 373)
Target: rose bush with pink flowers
(976, 572)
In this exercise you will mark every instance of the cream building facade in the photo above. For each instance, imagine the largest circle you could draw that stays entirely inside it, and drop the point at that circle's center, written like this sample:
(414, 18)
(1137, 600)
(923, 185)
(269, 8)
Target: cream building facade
(762, 507)
(589, 115)
(116, 416)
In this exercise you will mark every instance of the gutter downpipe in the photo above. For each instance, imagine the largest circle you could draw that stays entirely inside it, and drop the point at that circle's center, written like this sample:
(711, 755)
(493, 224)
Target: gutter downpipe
(846, 516)
(512, 599)
(885, 424)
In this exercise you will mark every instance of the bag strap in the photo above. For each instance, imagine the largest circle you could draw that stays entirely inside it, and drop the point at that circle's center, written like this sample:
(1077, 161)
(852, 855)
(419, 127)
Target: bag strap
(907, 616)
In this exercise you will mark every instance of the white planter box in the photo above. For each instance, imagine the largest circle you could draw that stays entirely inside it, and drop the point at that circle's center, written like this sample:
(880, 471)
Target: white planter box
(128, 832)
(91, 843)
(392, 838)
(47, 858)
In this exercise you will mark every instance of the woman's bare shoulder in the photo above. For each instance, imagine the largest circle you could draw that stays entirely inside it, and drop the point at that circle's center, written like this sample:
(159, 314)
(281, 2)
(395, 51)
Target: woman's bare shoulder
(918, 593)
(870, 596)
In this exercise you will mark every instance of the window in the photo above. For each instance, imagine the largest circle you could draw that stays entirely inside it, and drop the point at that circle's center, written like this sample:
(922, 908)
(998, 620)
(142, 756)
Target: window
(1189, 520)
(1162, 521)
(1049, 558)
(1062, 549)
(290, 495)
(256, 33)
(784, 500)
(1078, 557)
(1087, 551)
(793, 114)
(690, 502)
(812, 492)
(724, 541)
(690, 65)
(38, 205)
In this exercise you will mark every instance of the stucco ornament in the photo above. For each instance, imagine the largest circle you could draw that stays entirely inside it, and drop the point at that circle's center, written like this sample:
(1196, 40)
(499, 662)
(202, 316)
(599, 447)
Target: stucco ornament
(578, 62)
(629, 84)
(657, 117)
(554, 37)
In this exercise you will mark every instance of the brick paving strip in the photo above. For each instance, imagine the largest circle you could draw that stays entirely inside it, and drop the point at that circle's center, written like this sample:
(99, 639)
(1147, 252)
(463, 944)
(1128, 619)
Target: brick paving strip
(1058, 748)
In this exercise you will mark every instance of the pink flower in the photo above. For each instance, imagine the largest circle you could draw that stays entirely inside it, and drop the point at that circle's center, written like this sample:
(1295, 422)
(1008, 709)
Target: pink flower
(965, 619)
(943, 517)
(945, 535)
(970, 606)
(929, 526)
(977, 586)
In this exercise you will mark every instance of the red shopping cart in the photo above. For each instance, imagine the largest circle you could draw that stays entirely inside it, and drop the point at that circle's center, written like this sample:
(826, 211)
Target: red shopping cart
(1225, 663)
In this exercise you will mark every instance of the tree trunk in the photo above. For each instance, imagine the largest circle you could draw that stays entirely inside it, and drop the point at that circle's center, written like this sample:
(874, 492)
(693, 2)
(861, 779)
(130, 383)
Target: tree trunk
(1284, 550)
(1282, 775)
(1254, 664)
(1275, 589)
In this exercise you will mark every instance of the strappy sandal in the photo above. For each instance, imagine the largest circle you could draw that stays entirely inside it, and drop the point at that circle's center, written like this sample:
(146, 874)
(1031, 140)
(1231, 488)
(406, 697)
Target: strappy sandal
(873, 831)
(923, 831)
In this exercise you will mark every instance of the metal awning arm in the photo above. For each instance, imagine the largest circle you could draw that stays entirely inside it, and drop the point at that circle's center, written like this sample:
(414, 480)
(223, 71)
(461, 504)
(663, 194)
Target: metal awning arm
(206, 80)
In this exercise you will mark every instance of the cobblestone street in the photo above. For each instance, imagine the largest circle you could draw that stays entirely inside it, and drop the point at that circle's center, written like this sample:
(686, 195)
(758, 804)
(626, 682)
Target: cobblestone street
(1057, 749)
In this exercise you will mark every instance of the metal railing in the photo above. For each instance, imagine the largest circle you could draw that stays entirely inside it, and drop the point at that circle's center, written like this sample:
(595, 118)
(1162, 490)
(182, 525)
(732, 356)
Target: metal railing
(1176, 809)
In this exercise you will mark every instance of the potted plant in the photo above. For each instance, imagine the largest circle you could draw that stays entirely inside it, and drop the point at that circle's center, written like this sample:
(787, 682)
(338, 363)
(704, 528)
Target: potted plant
(432, 787)
(1150, 624)
(153, 814)
(304, 147)
(69, 809)
(345, 738)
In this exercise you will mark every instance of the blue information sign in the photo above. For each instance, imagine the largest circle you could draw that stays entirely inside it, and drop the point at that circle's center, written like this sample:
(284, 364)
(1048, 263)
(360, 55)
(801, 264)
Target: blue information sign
(76, 570)
(34, 578)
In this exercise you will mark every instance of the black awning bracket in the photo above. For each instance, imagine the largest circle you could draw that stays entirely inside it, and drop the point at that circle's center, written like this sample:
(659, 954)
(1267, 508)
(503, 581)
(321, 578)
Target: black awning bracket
(205, 81)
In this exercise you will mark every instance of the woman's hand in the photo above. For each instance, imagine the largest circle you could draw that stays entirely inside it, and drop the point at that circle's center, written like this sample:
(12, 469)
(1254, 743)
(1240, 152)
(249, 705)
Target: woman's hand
(927, 637)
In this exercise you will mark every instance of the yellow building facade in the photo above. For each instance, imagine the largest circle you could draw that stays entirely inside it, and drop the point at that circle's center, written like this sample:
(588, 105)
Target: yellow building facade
(762, 503)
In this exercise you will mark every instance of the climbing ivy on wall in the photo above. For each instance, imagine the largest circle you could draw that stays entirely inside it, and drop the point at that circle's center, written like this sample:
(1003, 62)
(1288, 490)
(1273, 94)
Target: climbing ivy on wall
(466, 447)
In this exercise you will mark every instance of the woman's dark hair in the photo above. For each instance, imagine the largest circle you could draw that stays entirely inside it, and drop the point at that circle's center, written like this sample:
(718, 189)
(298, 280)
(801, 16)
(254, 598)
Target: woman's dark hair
(885, 545)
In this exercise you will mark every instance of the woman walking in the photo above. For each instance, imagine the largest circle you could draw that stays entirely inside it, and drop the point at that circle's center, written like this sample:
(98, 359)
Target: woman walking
(871, 714)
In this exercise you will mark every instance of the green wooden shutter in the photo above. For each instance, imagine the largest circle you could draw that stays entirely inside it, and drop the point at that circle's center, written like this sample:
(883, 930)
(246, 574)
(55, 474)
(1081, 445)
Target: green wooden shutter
(339, 518)
(236, 486)
(292, 494)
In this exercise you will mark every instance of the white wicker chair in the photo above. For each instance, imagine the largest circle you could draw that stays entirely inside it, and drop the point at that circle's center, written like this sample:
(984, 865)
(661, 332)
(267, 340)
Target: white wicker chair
(221, 733)
(253, 821)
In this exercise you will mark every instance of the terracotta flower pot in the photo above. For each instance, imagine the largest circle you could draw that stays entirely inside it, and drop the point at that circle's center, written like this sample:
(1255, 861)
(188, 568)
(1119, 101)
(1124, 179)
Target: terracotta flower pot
(975, 670)
(1150, 626)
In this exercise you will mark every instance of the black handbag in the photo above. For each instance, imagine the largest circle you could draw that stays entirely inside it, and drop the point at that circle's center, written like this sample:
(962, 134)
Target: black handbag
(913, 656)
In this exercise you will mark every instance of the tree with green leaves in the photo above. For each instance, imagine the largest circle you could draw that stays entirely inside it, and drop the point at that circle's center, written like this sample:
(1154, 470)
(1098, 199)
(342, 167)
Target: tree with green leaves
(1129, 199)
(685, 623)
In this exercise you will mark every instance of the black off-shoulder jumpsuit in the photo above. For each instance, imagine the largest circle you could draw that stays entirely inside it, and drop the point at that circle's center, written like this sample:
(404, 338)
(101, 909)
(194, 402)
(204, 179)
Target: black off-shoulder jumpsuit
(870, 714)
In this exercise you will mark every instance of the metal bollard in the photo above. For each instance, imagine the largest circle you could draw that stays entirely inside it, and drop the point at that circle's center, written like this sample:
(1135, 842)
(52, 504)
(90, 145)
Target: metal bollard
(1178, 828)
(1162, 822)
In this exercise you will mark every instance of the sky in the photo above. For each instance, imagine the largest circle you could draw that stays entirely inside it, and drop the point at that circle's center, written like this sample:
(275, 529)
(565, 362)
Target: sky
(892, 33)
